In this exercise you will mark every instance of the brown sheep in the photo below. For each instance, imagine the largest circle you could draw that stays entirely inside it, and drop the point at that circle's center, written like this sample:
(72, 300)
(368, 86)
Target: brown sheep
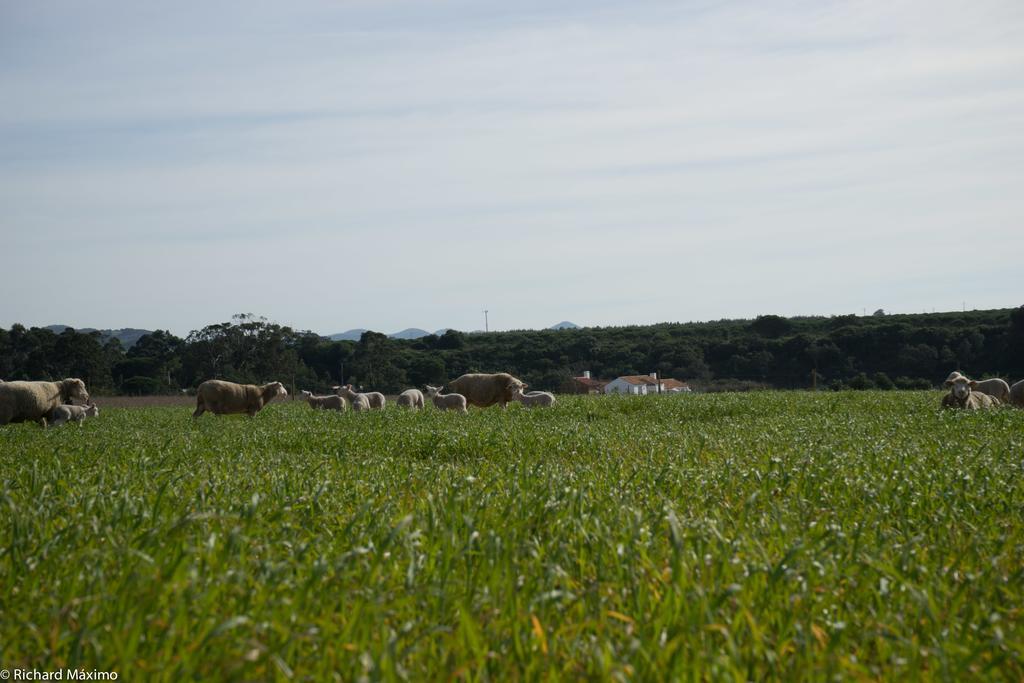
(962, 395)
(483, 390)
(31, 401)
(226, 398)
(1017, 394)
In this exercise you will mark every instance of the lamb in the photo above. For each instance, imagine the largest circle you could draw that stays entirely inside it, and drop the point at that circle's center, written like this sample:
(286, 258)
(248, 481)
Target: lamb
(962, 395)
(485, 390)
(328, 402)
(373, 400)
(995, 387)
(71, 413)
(1017, 394)
(226, 398)
(542, 399)
(446, 401)
(411, 398)
(31, 401)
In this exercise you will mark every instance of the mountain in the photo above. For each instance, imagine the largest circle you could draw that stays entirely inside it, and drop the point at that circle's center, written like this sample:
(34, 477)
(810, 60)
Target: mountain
(409, 333)
(564, 325)
(350, 335)
(126, 335)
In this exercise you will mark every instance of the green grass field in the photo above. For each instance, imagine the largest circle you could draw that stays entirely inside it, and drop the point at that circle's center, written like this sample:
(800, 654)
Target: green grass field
(715, 537)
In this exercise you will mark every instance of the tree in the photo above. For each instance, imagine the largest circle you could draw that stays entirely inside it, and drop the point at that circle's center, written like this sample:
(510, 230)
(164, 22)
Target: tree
(772, 326)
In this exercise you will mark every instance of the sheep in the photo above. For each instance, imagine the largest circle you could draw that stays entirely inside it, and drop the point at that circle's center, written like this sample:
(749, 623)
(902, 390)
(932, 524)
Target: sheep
(962, 395)
(411, 398)
(542, 399)
(226, 398)
(1017, 394)
(31, 401)
(328, 402)
(995, 387)
(71, 413)
(360, 402)
(441, 401)
(483, 390)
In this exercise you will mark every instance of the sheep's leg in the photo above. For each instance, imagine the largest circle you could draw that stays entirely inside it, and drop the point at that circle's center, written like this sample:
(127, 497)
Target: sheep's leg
(200, 409)
(42, 423)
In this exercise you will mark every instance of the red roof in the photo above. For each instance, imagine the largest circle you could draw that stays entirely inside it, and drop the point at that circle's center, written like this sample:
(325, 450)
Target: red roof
(638, 379)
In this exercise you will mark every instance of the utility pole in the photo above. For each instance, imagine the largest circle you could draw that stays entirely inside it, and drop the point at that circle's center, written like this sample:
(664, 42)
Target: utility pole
(814, 379)
(486, 327)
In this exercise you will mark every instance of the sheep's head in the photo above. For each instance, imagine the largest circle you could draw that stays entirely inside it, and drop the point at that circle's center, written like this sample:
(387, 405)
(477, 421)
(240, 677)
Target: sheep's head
(952, 376)
(512, 385)
(92, 410)
(306, 394)
(275, 390)
(75, 389)
(961, 387)
(431, 391)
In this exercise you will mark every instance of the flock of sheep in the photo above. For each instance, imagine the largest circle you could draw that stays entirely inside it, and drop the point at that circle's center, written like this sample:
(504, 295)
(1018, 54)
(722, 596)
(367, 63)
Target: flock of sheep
(473, 389)
(970, 395)
(54, 403)
(477, 389)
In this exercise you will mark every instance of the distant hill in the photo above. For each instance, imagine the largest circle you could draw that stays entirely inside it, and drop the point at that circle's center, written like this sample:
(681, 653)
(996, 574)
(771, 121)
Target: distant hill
(126, 335)
(409, 333)
(350, 335)
(564, 325)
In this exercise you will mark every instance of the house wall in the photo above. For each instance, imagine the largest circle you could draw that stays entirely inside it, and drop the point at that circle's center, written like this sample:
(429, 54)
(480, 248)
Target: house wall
(620, 386)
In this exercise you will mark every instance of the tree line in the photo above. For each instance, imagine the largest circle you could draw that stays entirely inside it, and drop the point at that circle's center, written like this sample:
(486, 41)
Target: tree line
(847, 351)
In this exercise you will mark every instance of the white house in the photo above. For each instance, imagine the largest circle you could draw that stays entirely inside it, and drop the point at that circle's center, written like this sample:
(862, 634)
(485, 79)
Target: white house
(641, 385)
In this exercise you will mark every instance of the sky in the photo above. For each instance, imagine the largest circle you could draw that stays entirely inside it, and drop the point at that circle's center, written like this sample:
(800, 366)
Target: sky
(398, 163)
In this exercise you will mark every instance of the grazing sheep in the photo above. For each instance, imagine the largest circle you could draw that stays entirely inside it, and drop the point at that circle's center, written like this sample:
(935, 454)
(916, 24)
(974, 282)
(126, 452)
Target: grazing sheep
(446, 401)
(411, 398)
(962, 395)
(31, 401)
(484, 390)
(226, 398)
(360, 402)
(328, 402)
(70, 413)
(532, 399)
(995, 387)
(1017, 394)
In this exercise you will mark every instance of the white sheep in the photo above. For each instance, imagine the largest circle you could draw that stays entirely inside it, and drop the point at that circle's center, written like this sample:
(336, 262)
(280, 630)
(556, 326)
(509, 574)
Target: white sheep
(328, 402)
(224, 398)
(994, 387)
(411, 398)
(31, 401)
(542, 399)
(441, 401)
(373, 400)
(962, 395)
(71, 413)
